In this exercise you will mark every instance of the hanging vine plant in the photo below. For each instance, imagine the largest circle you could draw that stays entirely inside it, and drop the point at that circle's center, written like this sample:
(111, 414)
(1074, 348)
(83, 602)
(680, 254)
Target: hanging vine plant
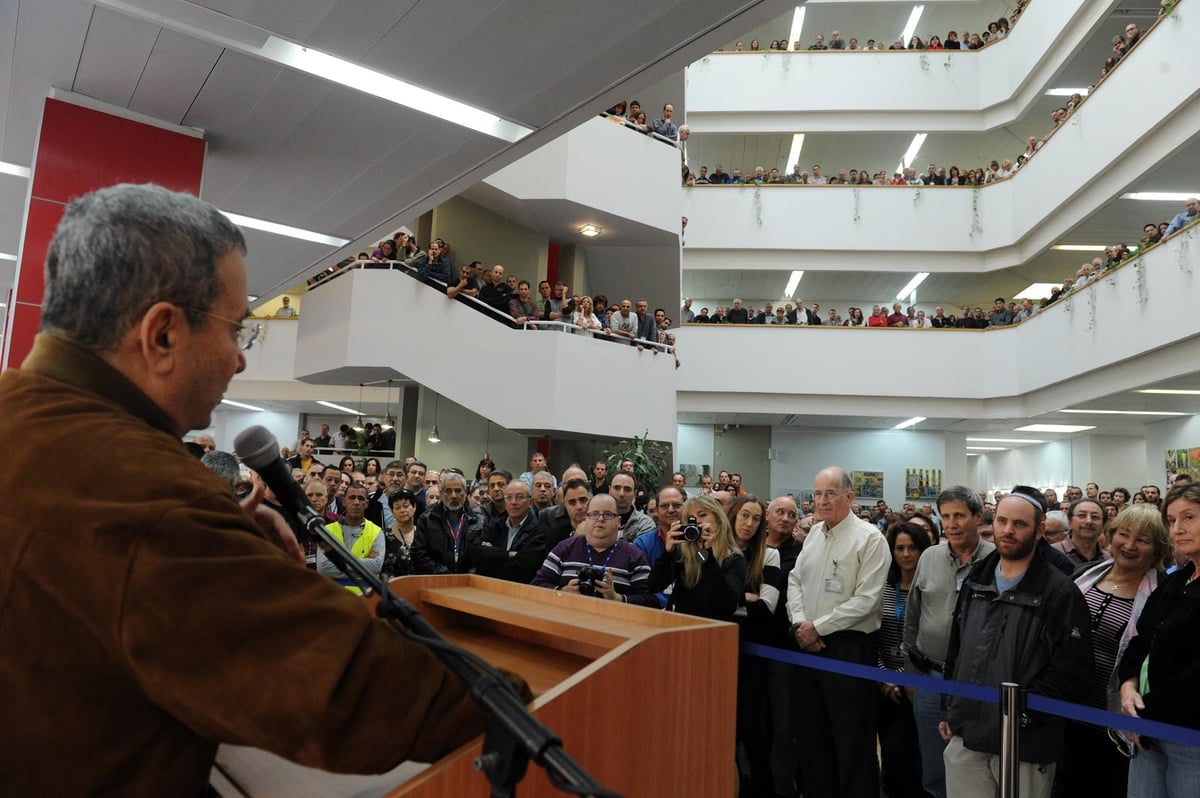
(976, 227)
(758, 206)
(857, 204)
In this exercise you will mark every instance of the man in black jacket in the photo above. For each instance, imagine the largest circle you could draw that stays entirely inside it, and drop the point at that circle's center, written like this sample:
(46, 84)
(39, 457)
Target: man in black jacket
(1018, 619)
(443, 531)
(512, 547)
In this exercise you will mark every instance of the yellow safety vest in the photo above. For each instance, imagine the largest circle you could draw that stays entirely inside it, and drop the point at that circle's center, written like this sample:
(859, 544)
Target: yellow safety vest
(361, 547)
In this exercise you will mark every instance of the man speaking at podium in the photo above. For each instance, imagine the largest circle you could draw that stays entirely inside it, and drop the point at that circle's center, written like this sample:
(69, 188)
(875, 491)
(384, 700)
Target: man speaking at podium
(146, 617)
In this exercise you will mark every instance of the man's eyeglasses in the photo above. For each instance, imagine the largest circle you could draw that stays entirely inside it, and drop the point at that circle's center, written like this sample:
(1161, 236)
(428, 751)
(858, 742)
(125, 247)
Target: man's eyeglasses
(597, 515)
(247, 334)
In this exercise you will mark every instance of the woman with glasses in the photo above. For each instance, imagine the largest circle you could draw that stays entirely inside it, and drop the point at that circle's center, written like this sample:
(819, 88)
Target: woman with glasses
(397, 557)
(596, 562)
(1116, 591)
(1160, 669)
(1083, 543)
(701, 563)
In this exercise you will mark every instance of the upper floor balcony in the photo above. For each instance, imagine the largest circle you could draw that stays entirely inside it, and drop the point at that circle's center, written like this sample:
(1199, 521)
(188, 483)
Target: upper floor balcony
(839, 91)
(377, 324)
(1138, 318)
(1110, 141)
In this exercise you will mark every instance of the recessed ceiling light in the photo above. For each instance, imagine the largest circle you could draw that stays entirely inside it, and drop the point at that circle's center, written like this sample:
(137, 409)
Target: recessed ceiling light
(1052, 428)
(910, 154)
(911, 25)
(590, 230)
(1170, 391)
(1126, 412)
(793, 282)
(912, 284)
(1079, 247)
(241, 405)
(1160, 196)
(912, 422)
(14, 169)
(989, 448)
(329, 67)
(794, 152)
(285, 230)
(1066, 92)
(338, 407)
(6, 256)
(973, 454)
(1036, 291)
(1005, 440)
(251, 297)
(797, 25)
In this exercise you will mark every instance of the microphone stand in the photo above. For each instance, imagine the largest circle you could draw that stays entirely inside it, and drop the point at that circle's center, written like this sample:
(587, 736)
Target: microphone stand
(514, 735)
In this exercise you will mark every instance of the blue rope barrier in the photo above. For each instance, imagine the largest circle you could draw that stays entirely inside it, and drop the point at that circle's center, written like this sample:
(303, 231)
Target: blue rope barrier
(977, 692)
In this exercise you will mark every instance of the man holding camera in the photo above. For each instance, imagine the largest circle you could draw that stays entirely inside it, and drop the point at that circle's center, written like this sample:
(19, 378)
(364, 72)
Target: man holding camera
(598, 563)
(834, 598)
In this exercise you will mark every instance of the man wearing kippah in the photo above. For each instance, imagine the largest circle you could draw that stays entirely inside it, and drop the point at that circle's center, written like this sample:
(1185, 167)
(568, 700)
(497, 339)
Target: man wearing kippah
(1018, 619)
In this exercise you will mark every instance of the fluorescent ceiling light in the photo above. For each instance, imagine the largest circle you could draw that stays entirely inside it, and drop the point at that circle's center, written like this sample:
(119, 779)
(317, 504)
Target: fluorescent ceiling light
(1170, 391)
(989, 448)
(973, 454)
(1160, 196)
(797, 25)
(6, 256)
(241, 405)
(589, 230)
(14, 169)
(2, 305)
(912, 422)
(392, 89)
(792, 283)
(1066, 92)
(1003, 440)
(338, 407)
(1079, 247)
(1052, 428)
(794, 153)
(912, 284)
(284, 230)
(1125, 412)
(910, 154)
(251, 297)
(911, 26)
(1036, 291)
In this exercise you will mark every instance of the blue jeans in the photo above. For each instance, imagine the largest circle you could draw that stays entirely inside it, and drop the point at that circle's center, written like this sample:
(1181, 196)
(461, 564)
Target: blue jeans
(927, 711)
(1165, 770)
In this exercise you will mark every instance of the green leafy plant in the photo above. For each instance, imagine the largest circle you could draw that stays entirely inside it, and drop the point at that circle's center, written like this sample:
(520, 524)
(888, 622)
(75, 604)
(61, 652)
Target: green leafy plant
(650, 459)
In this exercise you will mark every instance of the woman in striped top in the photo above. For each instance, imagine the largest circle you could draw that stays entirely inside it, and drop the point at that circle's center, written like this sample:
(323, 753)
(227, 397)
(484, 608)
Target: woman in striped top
(1116, 590)
(901, 773)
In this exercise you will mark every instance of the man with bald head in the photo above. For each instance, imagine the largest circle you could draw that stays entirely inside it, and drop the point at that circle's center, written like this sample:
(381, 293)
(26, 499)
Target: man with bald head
(835, 593)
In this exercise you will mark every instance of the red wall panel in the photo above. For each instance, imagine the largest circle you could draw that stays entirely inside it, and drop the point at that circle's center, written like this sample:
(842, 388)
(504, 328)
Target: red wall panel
(80, 150)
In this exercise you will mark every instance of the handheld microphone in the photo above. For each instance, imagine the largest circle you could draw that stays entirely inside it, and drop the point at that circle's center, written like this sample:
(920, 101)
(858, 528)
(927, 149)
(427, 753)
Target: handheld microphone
(257, 448)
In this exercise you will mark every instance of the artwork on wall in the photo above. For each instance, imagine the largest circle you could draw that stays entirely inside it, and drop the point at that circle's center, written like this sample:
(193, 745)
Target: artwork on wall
(867, 484)
(1183, 461)
(922, 483)
(693, 472)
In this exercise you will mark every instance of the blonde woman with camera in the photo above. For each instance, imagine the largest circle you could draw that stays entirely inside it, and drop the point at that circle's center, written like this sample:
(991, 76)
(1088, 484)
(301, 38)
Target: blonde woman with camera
(701, 564)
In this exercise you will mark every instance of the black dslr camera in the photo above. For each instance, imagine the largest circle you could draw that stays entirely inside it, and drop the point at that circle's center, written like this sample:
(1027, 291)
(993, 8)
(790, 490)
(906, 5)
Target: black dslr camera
(691, 530)
(587, 577)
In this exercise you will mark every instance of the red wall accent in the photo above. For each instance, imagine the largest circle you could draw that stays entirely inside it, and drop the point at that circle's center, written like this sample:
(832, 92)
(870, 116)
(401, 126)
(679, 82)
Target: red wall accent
(552, 257)
(79, 150)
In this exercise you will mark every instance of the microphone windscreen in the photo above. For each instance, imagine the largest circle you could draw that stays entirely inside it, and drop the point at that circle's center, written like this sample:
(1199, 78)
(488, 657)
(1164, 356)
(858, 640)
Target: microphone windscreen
(256, 447)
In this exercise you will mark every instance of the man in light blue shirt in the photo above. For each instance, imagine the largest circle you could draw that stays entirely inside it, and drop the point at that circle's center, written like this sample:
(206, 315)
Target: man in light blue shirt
(1182, 220)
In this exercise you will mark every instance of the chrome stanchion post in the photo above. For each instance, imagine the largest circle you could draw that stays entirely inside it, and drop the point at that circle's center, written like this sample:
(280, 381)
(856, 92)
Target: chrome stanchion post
(1010, 723)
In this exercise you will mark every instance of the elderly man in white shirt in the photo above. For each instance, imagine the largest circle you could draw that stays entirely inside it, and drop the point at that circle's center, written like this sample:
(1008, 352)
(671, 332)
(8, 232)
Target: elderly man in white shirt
(835, 596)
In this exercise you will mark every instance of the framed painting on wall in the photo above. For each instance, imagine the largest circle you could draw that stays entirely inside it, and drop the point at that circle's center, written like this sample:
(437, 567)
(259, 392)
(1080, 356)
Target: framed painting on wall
(867, 484)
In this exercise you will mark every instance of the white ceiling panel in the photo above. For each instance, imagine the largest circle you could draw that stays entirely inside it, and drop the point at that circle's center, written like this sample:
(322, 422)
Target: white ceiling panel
(46, 51)
(114, 56)
(8, 22)
(175, 72)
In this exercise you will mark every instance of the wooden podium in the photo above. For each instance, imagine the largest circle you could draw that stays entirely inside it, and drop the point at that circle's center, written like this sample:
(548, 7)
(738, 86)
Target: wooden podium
(644, 700)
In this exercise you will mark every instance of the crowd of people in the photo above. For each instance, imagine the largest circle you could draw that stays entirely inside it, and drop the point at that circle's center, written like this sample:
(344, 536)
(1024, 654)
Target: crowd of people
(934, 175)
(1090, 580)
(1002, 313)
(995, 31)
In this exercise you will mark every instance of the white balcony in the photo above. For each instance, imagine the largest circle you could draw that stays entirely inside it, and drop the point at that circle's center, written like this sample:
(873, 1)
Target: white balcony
(1114, 138)
(369, 324)
(1141, 317)
(887, 91)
